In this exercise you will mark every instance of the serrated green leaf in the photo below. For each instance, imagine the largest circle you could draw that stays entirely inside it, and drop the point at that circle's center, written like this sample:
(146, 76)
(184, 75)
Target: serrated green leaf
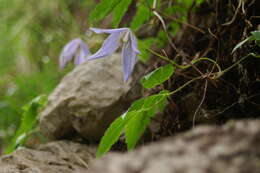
(119, 11)
(111, 135)
(145, 109)
(148, 102)
(136, 127)
(256, 35)
(158, 76)
(28, 121)
(134, 121)
(102, 9)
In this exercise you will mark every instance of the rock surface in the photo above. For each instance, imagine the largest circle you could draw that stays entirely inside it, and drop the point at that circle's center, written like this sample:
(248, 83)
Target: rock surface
(54, 157)
(88, 99)
(233, 148)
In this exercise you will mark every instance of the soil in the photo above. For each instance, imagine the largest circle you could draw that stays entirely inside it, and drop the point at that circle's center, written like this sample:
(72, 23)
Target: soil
(218, 27)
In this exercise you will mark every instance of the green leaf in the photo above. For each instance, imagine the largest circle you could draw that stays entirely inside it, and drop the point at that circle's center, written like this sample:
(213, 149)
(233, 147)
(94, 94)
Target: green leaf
(158, 76)
(149, 102)
(142, 15)
(144, 109)
(136, 127)
(143, 45)
(28, 122)
(102, 9)
(256, 35)
(112, 134)
(134, 121)
(119, 11)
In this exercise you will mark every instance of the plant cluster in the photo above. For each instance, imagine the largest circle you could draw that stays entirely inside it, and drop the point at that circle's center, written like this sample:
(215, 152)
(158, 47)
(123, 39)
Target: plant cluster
(135, 120)
(147, 13)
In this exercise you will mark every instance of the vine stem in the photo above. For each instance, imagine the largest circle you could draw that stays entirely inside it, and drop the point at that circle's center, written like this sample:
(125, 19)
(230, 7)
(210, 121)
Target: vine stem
(215, 75)
(219, 74)
(185, 66)
(186, 84)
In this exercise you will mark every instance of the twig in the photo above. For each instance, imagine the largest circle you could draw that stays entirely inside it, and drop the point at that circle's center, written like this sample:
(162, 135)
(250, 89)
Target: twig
(219, 74)
(186, 84)
(202, 100)
(241, 4)
(233, 104)
(211, 33)
(181, 22)
(185, 66)
(169, 38)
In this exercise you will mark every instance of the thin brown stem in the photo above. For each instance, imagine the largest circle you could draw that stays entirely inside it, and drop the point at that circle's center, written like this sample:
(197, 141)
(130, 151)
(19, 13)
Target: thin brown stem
(202, 100)
(182, 22)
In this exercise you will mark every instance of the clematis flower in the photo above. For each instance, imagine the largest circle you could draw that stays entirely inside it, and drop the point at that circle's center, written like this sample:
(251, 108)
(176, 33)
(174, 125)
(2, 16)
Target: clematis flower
(75, 48)
(118, 37)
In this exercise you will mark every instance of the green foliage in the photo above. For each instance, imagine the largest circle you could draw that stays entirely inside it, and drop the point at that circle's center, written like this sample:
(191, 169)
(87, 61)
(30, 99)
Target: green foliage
(111, 135)
(158, 76)
(136, 127)
(142, 15)
(134, 122)
(256, 35)
(28, 122)
(119, 11)
(143, 45)
(32, 35)
(102, 9)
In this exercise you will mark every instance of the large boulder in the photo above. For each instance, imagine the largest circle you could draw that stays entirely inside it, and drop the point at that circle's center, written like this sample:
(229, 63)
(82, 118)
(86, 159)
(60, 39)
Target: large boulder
(54, 157)
(88, 99)
(233, 148)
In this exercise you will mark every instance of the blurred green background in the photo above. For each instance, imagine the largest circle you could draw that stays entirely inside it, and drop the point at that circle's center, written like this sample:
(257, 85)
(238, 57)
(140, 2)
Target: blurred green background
(32, 34)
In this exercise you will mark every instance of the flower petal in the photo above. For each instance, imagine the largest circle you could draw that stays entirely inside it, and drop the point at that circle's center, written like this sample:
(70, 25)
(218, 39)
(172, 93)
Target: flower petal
(84, 48)
(109, 46)
(129, 59)
(109, 31)
(134, 43)
(80, 58)
(68, 52)
(83, 53)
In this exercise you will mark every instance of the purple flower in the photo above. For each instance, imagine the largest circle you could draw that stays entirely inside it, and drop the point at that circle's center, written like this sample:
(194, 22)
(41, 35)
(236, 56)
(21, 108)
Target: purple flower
(75, 48)
(119, 37)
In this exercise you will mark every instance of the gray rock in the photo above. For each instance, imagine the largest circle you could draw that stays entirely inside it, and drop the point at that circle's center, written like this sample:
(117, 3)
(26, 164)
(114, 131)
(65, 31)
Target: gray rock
(88, 99)
(54, 157)
(233, 148)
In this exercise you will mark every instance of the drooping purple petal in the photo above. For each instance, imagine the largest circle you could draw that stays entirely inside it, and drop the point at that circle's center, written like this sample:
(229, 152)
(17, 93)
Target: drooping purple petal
(82, 53)
(84, 48)
(134, 43)
(68, 52)
(109, 46)
(108, 31)
(80, 58)
(129, 59)
(75, 48)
